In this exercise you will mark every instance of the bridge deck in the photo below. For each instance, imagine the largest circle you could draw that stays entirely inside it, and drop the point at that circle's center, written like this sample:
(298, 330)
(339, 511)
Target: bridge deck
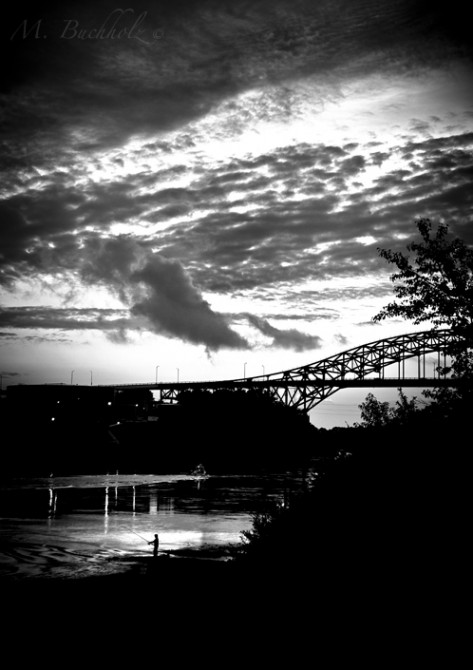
(375, 382)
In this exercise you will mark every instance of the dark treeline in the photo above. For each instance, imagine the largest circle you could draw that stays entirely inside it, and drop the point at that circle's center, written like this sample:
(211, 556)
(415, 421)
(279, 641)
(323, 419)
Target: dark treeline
(236, 430)
(227, 431)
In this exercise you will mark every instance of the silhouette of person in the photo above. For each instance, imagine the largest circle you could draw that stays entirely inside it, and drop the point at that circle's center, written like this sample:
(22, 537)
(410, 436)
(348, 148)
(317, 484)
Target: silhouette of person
(155, 544)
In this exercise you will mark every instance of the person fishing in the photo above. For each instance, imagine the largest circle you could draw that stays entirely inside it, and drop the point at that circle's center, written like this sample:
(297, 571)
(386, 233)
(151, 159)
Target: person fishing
(155, 544)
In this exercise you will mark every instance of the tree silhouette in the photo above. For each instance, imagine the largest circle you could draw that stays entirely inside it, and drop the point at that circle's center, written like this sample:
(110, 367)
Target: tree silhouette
(376, 414)
(435, 284)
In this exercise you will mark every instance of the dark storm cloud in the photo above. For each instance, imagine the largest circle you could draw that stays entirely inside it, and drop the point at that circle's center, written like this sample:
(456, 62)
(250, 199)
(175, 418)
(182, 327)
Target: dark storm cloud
(63, 318)
(317, 313)
(286, 339)
(12, 242)
(52, 228)
(353, 165)
(378, 157)
(278, 242)
(439, 181)
(158, 291)
(436, 144)
(174, 307)
(47, 213)
(38, 339)
(166, 64)
(391, 181)
(31, 227)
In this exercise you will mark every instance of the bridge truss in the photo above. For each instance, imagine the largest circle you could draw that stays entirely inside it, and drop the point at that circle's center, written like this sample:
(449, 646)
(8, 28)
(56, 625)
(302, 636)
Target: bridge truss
(364, 366)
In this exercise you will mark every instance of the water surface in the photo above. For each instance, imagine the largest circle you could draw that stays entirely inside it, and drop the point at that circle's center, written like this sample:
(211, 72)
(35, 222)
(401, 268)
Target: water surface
(69, 527)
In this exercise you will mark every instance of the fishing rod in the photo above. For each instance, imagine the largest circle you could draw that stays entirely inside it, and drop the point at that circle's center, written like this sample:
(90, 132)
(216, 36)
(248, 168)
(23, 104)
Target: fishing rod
(143, 538)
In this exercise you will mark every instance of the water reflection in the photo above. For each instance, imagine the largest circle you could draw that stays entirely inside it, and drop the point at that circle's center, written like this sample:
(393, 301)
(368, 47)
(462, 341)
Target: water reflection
(152, 499)
(109, 516)
(153, 503)
(105, 517)
(139, 500)
(52, 503)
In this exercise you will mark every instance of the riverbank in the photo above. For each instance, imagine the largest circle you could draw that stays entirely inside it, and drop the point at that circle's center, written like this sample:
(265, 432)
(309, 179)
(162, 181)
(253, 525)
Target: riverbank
(199, 588)
(204, 592)
(205, 559)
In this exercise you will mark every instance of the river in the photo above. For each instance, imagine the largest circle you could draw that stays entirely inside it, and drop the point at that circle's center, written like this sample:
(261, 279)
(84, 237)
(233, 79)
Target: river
(90, 525)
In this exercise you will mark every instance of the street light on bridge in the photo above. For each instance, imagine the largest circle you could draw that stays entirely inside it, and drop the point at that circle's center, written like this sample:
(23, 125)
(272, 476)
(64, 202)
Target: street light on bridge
(263, 368)
(177, 374)
(72, 375)
(244, 370)
(157, 368)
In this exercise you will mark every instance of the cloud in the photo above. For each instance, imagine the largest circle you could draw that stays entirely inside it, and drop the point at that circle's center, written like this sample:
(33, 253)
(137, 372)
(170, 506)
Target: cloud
(341, 339)
(174, 307)
(235, 224)
(114, 323)
(286, 339)
(289, 238)
(86, 94)
(63, 318)
(286, 226)
(158, 292)
(316, 313)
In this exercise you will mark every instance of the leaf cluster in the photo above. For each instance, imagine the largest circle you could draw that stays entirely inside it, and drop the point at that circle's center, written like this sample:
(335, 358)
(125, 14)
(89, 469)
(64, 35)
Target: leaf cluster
(376, 414)
(434, 282)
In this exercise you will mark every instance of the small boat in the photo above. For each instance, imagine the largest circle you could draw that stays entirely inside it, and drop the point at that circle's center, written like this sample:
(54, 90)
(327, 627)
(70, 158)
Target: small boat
(199, 471)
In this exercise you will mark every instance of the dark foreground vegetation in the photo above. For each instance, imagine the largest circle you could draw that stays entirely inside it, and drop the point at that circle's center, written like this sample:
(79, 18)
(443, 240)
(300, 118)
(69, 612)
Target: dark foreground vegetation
(391, 515)
(390, 510)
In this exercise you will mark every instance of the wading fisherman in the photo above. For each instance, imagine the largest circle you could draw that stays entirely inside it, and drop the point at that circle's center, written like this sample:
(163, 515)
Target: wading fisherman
(155, 544)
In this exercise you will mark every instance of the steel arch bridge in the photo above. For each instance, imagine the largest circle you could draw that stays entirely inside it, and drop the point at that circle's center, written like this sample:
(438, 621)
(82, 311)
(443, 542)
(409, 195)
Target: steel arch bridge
(364, 366)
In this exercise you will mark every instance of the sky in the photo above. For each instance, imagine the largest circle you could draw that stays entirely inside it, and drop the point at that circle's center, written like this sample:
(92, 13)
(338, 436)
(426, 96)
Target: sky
(197, 190)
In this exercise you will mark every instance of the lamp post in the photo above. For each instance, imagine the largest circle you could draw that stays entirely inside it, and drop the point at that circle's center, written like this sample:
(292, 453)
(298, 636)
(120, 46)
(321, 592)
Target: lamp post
(91, 377)
(263, 368)
(157, 368)
(72, 375)
(244, 370)
(177, 375)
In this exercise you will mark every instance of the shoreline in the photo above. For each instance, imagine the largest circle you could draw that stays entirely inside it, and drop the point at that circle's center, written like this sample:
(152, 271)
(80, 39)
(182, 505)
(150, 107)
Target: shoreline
(206, 558)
